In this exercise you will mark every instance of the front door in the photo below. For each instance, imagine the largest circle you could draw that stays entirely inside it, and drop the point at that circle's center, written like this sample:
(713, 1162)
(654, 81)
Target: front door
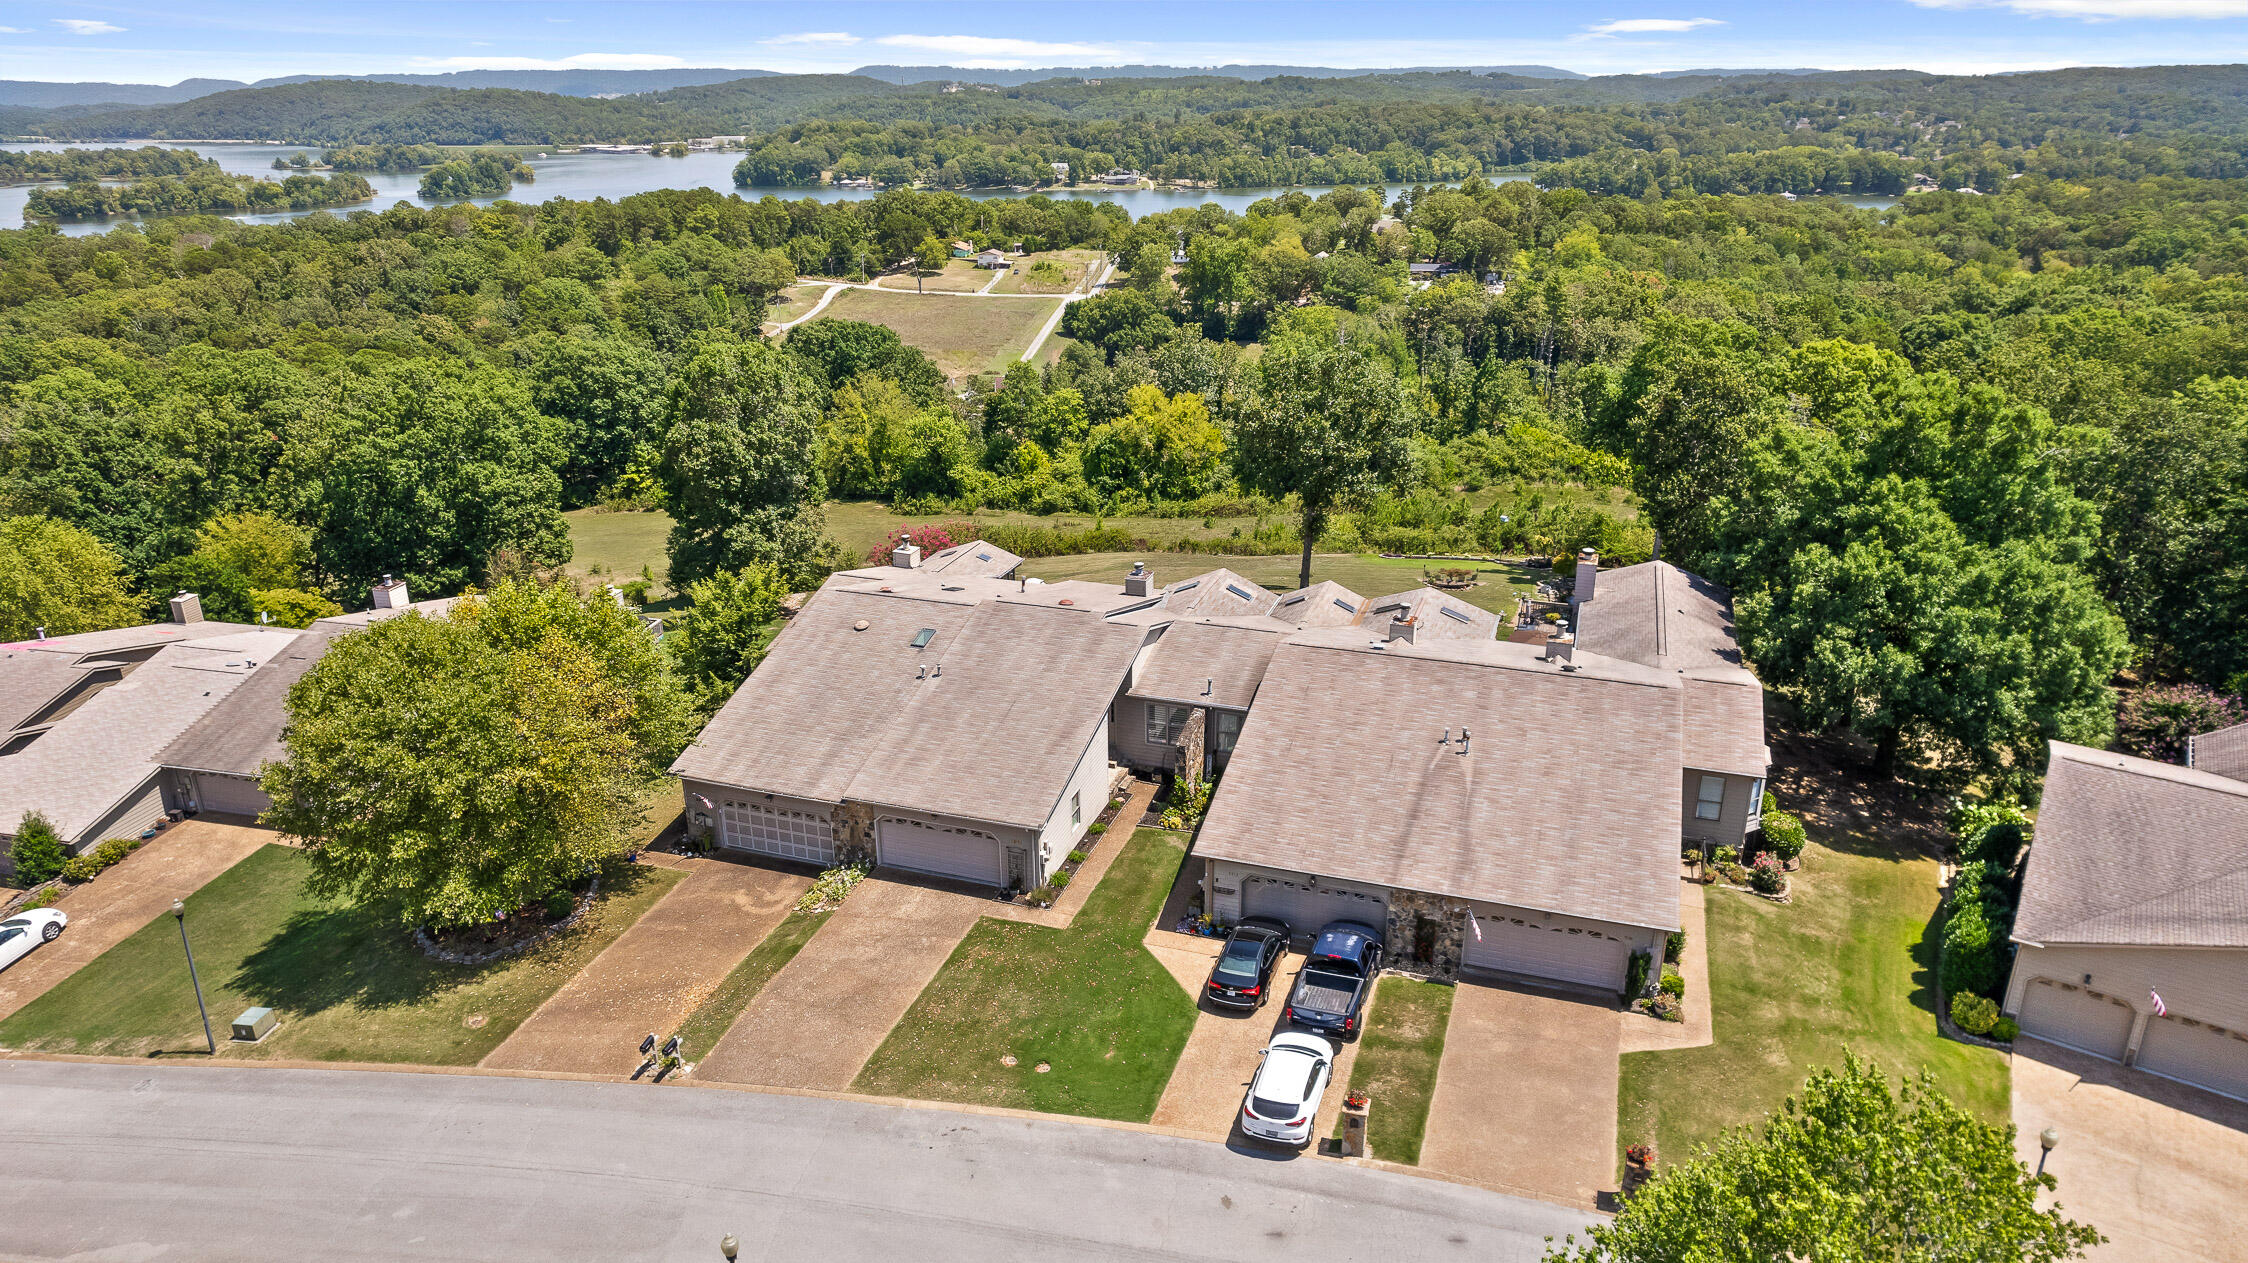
(1018, 867)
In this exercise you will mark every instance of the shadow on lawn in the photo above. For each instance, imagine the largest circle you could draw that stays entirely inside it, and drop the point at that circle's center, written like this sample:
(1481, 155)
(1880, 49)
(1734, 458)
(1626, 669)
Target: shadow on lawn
(328, 956)
(1924, 961)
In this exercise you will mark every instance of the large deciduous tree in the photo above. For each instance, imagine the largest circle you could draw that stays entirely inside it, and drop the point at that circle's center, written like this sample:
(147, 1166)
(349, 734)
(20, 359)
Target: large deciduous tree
(1907, 564)
(723, 633)
(1328, 424)
(449, 769)
(56, 576)
(1852, 1170)
(609, 394)
(741, 466)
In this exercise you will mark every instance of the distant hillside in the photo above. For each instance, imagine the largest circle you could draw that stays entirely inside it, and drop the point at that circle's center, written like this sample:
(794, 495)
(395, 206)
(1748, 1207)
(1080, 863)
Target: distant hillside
(1015, 78)
(559, 82)
(47, 96)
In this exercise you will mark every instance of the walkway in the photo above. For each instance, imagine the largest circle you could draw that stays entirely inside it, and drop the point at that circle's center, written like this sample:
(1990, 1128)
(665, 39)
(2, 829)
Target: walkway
(820, 1018)
(656, 972)
(1642, 1033)
(1526, 1094)
(2159, 1167)
(105, 911)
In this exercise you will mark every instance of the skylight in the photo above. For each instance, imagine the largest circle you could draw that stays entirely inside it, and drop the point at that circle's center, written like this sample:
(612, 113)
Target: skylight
(922, 638)
(1291, 600)
(1345, 606)
(1189, 586)
(1239, 592)
(1455, 615)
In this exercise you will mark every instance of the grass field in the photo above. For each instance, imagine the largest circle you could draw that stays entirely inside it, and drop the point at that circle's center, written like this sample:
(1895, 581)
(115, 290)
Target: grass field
(958, 276)
(962, 335)
(1396, 1067)
(349, 985)
(1850, 963)
(1072, 263)
(1365, 574)
(613, 547)
(1088, 1001)
(712, 1018)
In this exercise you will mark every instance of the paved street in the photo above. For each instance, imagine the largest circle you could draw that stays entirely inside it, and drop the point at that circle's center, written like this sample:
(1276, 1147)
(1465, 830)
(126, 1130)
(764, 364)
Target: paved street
(130, 1163)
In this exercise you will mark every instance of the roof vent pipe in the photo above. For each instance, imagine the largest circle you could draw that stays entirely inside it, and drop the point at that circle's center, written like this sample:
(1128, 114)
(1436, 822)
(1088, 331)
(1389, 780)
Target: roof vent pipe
(1140, 582)
(1463, 741)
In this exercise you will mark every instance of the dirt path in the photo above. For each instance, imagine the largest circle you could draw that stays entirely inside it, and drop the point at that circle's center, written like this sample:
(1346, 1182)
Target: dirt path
(655, 973)
(106, 910)
(820, 1018)
(1526, 1094)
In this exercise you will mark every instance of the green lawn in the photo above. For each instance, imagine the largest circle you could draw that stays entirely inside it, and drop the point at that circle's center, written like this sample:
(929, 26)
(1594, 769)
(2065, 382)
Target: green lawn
(612, 547)
(1849, 964)
(1396, 1066)
(1089, 1000)
(962, 335)
(711, 1019)
(349, 985)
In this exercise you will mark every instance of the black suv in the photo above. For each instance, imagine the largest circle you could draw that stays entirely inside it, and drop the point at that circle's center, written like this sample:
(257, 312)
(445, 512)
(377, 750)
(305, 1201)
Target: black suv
(1243, 975)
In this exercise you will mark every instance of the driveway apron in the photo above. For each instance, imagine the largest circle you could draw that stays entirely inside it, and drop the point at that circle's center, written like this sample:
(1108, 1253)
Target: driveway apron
(656, 972)
(1526, 1094)
(105, 911)
(820, 1018)
(2160, 1168)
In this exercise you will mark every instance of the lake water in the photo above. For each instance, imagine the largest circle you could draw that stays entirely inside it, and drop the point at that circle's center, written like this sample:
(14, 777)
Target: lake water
(584, 176)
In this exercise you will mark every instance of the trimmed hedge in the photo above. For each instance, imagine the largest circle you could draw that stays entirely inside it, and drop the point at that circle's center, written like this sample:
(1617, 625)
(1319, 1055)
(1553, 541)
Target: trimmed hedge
(87, 866)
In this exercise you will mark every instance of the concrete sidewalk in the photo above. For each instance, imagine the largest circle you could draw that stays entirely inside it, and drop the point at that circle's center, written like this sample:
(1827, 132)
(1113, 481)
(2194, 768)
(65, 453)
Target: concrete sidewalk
(820, 1018)
(105, 911)
(1526, 1094)
(1642, 1033)
(656, 972)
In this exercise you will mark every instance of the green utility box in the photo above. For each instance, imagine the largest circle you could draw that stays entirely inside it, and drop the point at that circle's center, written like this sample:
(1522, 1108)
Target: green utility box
(254, 1025)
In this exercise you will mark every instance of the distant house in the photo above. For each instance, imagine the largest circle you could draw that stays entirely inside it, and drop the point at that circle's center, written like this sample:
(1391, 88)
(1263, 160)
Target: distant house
(962, 250)
(1061, 169)
(1119, 175)
(991, 259)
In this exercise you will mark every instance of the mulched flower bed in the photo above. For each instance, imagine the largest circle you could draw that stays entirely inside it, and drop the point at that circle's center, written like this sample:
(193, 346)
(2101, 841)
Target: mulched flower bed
(1103, 825)
(512, 935)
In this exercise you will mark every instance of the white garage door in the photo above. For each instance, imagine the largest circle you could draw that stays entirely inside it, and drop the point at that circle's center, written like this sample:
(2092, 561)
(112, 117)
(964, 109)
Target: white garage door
(235, 795)
(968, 854)
(784, 832)
(2075, 1018)
(1526, 946)
(2190, 1052)
(1307, 908)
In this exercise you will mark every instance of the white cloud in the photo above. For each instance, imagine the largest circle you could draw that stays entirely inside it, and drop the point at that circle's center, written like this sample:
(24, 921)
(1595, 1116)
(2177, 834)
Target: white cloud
(87, 26)
(581, 61)
(13, 30)
(993, 51)
(1651, 26)
(814, 37)
(2103, 10)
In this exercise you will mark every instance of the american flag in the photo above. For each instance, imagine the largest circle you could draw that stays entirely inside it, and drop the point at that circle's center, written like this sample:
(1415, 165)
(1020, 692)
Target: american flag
(2160, 1009)
(1476, 926)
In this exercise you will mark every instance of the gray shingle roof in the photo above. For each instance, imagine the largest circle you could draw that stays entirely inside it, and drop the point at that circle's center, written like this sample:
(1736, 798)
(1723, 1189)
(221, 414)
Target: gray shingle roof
(243, 732)
(1217, 592)
(81, 768)
(2131, 851)
(996, 735)
(2223, 752)
(29, 682)
(804, 721)
(1659, 616)
(1228, 659)
(129, 639)
(1323, 604)
(974, 558)
(1724, 723)
(435, 607)
(1438, 615)
(1567, 799)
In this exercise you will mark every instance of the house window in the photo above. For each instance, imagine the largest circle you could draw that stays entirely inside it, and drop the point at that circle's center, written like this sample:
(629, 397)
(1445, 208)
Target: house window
(1229, 731)
(1709, 801)
(1076, 808)
(1165, 723)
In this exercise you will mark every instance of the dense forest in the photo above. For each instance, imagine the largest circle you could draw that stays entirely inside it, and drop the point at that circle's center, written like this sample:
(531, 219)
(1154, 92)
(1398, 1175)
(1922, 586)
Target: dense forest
(1962, 461)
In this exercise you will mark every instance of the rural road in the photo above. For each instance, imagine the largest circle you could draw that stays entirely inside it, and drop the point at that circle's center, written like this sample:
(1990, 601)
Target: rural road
(123, 1163)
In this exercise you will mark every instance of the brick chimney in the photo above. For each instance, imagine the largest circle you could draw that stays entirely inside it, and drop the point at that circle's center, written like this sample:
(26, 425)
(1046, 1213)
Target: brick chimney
(187, 608)
(390, 594)
(1141, 582)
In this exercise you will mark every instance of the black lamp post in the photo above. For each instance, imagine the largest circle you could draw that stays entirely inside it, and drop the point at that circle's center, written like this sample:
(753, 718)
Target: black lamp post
(2046, 1140)
(179, 914)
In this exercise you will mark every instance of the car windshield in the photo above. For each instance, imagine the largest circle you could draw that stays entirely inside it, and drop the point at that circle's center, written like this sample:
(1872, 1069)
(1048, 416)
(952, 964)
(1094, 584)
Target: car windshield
(19, 922)
(1240, 959)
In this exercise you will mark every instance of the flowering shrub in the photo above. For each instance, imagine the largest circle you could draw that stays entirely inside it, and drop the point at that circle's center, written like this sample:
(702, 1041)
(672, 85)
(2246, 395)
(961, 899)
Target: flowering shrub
(833, 886)
(2154, 722)
(931, 537)
(1765, 876)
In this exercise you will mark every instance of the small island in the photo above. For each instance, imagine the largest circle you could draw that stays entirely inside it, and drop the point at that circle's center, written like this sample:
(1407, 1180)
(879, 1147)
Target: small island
(27, 166)
(206, 189)
(484, 173)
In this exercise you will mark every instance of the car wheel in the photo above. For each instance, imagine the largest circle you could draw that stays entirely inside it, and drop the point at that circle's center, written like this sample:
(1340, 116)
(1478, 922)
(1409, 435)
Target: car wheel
(51, 933)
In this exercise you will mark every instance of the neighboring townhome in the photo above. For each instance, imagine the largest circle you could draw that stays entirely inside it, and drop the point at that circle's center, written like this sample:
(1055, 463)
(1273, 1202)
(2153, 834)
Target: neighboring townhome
(942, 723)
(88, 715)
(215, 763)
(2137, 888)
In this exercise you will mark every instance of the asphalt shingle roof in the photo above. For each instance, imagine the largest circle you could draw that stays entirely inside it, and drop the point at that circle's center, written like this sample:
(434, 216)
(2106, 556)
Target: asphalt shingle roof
(1659, 616)
(2131, 851)
(243, 732)
(29, 682)
(1323, 604)
(2223, 752)
(1218, 592)
(1567, 799)
(1227, 659)
(1437, 615)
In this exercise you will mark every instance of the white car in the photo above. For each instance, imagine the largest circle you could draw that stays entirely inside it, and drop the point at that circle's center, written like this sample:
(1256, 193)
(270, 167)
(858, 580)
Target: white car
(24, 931)
(1284, 1097)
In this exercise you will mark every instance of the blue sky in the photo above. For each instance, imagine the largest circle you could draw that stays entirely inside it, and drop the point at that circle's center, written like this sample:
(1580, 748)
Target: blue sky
(162, 43)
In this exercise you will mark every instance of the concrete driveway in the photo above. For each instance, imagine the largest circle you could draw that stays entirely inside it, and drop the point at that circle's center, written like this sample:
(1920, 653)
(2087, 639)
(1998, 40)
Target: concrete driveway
(1203, 1097)
(656, 972)
(1526, 1094)
(2160, 1168)
(105, 911)
(820, 1018)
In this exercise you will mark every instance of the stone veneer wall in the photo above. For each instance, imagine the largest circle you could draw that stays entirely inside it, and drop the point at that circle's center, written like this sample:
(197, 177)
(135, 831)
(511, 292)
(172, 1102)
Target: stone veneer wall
(1402, 937)
(1189, 744)
(854, 833)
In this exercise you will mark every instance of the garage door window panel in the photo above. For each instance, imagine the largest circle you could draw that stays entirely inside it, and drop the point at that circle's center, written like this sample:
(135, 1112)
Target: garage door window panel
(782, 832)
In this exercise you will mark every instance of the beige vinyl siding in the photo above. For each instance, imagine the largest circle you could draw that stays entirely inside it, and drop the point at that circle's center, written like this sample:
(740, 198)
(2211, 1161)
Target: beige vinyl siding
(1127, 730)
(1089, 786)
(1735, 811)
(140, 810)
(2206, 984)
